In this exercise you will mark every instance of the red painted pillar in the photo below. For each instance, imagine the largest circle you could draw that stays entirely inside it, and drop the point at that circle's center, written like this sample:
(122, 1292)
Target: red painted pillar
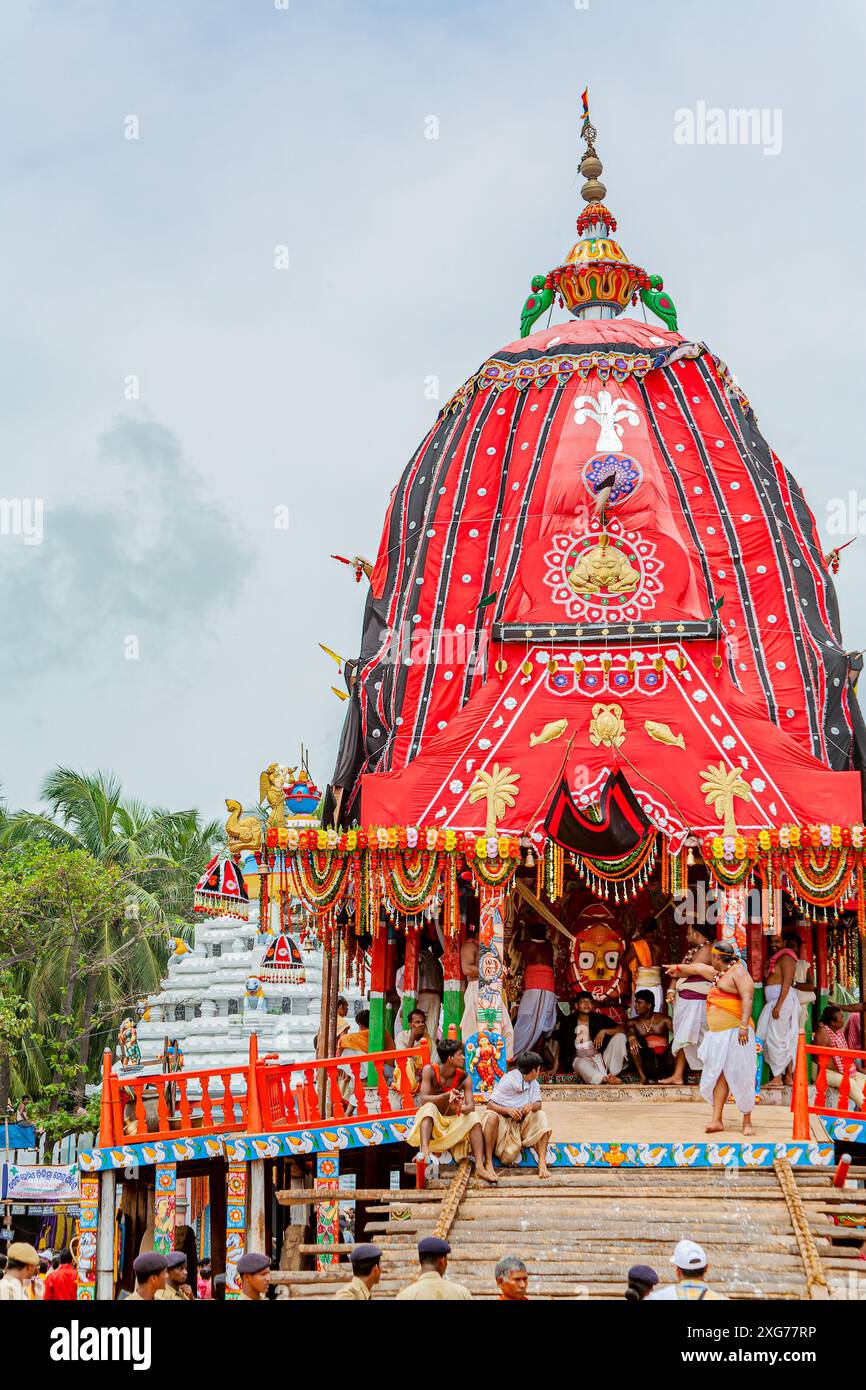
(410, 972)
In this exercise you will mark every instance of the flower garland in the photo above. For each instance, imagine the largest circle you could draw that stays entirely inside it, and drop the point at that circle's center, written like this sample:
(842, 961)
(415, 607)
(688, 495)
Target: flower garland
(410, 879)
(630, 872)
(321, 879)
(492, 873)
(822, 863)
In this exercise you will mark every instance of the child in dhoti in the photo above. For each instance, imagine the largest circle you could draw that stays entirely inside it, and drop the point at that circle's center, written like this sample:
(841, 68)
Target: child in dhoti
(515, 1120)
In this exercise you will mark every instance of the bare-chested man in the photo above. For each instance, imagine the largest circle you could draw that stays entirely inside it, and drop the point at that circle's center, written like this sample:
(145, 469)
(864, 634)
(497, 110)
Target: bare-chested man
(446, 1119)
(536, 1017)
(649, 1035)
(780, 1017)
(643, 957)
(690, 1005)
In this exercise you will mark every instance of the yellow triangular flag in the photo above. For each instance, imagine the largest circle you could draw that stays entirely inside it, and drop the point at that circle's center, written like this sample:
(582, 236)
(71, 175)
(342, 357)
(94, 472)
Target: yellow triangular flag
(333, 655)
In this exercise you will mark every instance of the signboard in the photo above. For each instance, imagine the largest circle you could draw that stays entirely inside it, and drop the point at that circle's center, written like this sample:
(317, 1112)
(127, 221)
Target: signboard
(43, 1186)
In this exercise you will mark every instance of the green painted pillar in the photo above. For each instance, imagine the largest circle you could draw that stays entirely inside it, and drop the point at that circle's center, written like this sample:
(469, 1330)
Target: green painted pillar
(452, 1002)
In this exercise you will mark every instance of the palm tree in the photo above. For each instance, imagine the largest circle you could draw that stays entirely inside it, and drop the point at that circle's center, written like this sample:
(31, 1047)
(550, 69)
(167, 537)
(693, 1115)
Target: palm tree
(720, 787)
(159, 854)
(499, 789)
(162, 852)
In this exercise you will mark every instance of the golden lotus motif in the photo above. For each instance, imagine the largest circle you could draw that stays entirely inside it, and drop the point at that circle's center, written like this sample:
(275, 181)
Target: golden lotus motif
(606, 727)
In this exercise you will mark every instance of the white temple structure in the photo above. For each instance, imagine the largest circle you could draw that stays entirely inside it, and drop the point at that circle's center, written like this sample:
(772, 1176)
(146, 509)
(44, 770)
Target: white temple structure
(241, 977)
(213, 998)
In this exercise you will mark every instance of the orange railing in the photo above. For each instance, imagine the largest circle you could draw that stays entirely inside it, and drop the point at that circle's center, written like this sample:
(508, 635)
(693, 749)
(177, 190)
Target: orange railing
(289, 1093)
(825, 1057)
(264, 1095)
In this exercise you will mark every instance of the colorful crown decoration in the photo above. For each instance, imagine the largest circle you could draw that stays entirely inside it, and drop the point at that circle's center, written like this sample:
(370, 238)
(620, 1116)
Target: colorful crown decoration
(596, 213)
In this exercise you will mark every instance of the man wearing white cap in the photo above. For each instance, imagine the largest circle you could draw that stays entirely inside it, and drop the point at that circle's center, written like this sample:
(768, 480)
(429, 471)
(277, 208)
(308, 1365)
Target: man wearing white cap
(690, 1264)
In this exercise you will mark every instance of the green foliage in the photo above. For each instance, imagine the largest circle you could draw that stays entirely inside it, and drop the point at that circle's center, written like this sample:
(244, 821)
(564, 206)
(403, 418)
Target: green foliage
(89, 895)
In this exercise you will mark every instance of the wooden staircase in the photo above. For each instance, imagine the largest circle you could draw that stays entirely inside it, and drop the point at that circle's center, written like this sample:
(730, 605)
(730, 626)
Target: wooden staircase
(768, 1233)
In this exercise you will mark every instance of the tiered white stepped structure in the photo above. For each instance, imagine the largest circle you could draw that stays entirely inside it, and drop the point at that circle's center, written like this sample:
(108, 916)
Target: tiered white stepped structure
(204, 1002)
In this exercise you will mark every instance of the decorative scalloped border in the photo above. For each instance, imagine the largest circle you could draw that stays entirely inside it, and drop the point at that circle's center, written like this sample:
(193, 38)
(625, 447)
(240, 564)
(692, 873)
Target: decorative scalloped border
(243, 1148)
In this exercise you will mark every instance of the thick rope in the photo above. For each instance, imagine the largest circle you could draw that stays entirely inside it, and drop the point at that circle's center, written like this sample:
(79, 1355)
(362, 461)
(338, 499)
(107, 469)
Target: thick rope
(452, 1199)
(816, 1280)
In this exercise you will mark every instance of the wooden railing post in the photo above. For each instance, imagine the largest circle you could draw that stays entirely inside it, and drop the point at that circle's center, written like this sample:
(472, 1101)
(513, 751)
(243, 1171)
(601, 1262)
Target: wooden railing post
(800, 1091)
(107, 1136)
(254, 1109)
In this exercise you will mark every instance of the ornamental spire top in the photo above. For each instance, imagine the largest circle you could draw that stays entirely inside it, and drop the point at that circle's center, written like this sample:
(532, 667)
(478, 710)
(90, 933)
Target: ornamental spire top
(596, 279)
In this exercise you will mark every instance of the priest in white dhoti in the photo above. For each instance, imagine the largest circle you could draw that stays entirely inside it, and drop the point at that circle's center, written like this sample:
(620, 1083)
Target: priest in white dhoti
(728, 1053)
(779, 1023)
(689, 998)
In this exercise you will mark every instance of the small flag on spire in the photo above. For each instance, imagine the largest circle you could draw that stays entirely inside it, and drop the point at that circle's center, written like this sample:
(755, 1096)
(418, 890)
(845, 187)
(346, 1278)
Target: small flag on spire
(584, 96)
(333, 655)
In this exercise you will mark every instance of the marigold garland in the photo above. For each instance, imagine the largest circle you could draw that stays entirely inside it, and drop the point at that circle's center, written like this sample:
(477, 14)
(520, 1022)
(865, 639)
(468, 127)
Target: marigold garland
(493, 873)
(410, 879)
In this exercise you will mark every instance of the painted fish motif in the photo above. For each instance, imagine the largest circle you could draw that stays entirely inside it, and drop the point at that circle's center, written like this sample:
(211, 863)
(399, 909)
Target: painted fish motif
(549, 733)
(663, 733)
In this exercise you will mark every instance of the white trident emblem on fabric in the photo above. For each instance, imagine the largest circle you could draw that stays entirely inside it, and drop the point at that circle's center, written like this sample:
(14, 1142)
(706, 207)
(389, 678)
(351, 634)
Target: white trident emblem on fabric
(607, 413)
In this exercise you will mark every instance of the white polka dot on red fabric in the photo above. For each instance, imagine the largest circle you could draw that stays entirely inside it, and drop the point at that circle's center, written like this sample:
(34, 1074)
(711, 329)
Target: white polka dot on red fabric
(482, 492)
(473, 533)
(448, 675)
(467, 578)
(491, 450)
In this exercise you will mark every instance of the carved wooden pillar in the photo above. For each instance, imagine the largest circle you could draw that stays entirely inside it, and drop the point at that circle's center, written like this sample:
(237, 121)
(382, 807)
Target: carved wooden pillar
(485, 1052)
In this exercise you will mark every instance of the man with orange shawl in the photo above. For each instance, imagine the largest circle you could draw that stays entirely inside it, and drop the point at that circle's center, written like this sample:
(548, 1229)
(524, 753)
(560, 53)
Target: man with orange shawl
(643, 958)
(728, 1052)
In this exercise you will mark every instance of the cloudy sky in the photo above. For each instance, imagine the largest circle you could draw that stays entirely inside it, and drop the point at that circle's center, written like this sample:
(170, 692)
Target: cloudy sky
(167, 385)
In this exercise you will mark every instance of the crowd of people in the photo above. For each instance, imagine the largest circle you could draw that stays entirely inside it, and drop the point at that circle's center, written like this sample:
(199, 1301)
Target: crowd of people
(164, 1277)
